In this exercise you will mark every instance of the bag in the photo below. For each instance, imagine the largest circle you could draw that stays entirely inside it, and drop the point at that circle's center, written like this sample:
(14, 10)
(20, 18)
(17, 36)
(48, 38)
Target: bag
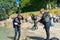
(52, 24)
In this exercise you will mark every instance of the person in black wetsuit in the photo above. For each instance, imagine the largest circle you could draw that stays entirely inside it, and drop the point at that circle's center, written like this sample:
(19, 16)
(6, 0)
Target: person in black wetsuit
(34, 18)
(46, 22)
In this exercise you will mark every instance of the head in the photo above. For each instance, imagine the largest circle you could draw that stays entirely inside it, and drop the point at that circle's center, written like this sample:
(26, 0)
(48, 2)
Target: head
(19, 16)
(32, 14)
(42, 11)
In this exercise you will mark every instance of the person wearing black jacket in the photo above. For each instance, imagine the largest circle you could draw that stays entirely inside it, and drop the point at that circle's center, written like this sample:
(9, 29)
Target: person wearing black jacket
(16, 25)
(34, 18)
(46, 22)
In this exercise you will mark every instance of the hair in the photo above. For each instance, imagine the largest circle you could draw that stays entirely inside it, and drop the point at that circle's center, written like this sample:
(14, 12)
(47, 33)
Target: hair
(42, 9)
(18, 15)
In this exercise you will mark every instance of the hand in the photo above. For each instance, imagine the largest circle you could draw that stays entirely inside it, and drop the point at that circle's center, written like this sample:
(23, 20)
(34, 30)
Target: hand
(16, 23)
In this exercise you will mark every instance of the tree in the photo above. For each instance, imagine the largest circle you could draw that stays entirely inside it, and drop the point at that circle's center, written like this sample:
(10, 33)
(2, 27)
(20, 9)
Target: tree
(35, 5)
(6, 7)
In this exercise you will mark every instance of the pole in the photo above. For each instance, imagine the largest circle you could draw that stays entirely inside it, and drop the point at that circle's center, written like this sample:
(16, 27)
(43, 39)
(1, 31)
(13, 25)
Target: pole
(19, 10)
(18, 6)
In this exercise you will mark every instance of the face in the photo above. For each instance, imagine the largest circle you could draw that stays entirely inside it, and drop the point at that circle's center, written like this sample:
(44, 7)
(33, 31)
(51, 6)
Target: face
(19, 16)
(42, 12)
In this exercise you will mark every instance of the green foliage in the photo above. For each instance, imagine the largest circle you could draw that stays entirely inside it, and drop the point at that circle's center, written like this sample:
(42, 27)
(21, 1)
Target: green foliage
(7, 7)
(35, 5)
(24, 3)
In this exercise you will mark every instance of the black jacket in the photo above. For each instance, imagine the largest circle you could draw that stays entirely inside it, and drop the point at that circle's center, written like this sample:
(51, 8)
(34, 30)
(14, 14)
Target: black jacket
(34, 17)
(16, 20)
(42, 18)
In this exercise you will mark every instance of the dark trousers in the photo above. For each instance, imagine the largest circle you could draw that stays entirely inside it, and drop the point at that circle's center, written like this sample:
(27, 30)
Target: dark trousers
(47, 28)
(35, 25)
(17, 33)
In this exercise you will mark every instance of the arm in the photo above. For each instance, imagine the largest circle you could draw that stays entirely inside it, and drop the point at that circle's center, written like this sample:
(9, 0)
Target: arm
(22, 18)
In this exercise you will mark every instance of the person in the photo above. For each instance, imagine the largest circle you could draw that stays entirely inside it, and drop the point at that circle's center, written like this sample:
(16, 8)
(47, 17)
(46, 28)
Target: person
(34, 18)
(16, 25)
(45, 20)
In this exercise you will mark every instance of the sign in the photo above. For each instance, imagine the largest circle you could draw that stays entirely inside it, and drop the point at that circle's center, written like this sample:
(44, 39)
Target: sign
(17, 2)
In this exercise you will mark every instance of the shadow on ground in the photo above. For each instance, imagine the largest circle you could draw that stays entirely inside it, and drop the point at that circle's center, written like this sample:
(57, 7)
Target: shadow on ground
(11, 37)
(36, 38)
(40, 38)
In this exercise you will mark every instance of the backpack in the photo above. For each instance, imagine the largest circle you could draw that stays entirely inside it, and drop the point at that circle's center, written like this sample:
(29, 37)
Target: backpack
(46, 17)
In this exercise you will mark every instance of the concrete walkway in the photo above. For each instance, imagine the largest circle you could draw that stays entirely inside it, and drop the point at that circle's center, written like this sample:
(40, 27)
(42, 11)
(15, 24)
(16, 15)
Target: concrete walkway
(40, 32)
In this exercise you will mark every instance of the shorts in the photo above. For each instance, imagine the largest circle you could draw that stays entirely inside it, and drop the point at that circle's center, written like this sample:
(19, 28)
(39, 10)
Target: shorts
(17, 30)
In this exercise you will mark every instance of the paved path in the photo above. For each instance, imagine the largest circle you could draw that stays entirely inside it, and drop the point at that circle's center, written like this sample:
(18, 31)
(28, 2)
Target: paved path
(54, 31)
(26, 33)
